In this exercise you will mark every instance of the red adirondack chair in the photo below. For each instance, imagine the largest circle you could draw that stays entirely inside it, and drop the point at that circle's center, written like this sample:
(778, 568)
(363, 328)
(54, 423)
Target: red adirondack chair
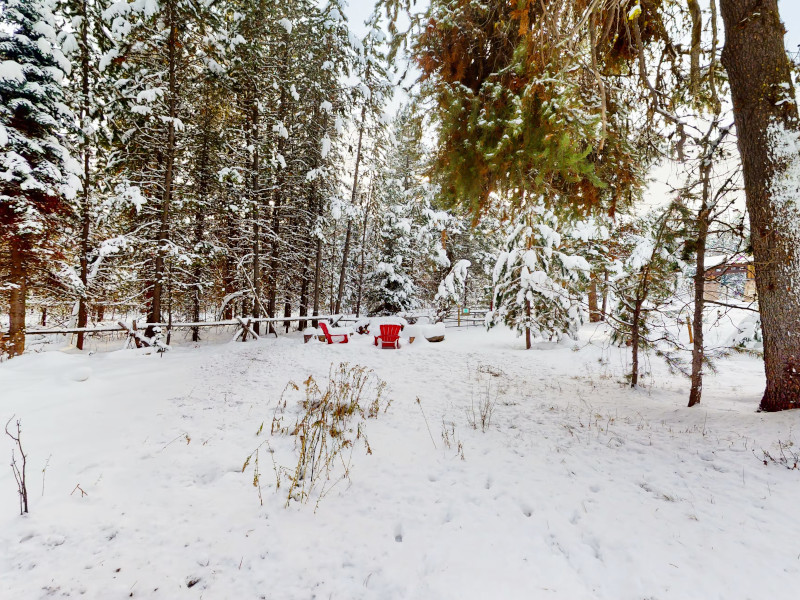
(335, 332)
(389, 337)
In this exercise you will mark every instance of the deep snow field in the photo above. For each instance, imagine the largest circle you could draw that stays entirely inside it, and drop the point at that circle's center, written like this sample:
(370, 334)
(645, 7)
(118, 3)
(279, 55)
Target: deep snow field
(579, 489)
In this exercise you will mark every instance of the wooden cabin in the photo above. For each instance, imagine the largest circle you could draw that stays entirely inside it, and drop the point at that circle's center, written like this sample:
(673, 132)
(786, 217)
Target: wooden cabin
(730, 277)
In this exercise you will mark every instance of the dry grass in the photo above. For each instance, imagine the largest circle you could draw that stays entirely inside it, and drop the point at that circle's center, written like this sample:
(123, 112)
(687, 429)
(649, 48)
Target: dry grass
(330, 424)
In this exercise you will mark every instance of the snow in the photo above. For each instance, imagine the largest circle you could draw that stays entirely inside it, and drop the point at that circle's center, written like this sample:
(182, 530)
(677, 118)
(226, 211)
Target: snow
(579, 488)
(281, 130)
(784, 188)
(286, 24)
(11, 70)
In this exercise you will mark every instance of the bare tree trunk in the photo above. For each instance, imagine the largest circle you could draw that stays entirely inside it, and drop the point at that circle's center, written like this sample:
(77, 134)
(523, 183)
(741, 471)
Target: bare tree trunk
(255, 197)
(694, 51)
(704, 216)
(528, 324)
(353, 196)
(343, 270)
(304, 283)
(698, 352)
(317, 280)
(635, 339)
(199, 228)
(85, 214)
(166, 200)
(362, 263)
(228, 281)
(594, 313)
(17, 298)
(763, 100)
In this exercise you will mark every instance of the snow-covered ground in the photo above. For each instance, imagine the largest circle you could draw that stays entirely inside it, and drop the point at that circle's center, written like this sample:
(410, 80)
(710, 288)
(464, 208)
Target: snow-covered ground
(579, 488)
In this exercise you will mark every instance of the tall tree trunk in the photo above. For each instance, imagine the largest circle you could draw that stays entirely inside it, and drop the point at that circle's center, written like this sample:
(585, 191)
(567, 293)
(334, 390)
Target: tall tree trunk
(17, 298)
(527, 324)
(317, 280)
(228, 282)
(704, 217)
(635, 339)
(363, 260)
(763, 100)
(304, 281)
(698, 352)
(199, 228)
(255, 197)
(353, 197)
(287, 312)
(343, 270)
(283, 113)
(594, 312)
(166, 200)
(83, 316)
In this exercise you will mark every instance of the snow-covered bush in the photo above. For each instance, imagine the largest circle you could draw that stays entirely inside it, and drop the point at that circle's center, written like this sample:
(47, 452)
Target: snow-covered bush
(748, 337)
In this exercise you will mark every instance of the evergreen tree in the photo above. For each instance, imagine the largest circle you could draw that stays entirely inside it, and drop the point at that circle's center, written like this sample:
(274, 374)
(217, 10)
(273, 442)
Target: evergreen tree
(37, 175)
(537, 284)
(390, 288)
(644, 282)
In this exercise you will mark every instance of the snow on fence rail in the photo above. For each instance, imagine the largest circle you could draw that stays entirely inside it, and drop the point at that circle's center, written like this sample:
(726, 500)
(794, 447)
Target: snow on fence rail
(136, 335)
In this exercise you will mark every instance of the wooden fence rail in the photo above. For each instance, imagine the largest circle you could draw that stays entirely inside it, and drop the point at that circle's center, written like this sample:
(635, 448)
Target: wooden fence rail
(244, 327)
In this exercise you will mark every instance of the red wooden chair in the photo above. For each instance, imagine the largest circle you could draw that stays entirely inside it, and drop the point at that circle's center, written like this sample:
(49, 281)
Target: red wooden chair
(389, 337)
(336, 332)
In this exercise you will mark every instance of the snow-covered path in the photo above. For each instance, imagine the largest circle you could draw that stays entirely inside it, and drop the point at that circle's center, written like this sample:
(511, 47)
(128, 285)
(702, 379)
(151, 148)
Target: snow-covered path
(580, 488)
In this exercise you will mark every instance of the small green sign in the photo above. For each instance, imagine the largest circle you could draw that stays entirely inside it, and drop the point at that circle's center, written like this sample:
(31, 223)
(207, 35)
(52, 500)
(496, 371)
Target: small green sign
(465, 311)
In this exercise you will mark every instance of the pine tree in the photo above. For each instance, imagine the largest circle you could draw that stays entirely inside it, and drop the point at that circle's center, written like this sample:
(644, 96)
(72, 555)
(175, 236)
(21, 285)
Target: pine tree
(37, 175)
(538, 285)
(390, 288)
(644, 282)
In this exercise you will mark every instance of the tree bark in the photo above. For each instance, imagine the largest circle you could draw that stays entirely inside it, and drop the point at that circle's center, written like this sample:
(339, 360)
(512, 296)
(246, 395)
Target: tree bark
(594, 311)
(527, 324)
(698, 354)
(83, 316)
(353, 196)
(362, 263)
(635, 339)
(17, 298)
(760, 79)
(255, 198)
(166, 200)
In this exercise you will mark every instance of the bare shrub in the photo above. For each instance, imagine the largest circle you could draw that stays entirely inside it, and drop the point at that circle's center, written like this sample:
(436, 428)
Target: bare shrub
(789, 457)
(17, 468)
(479, 415)
(450, 439)
(329, 425)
